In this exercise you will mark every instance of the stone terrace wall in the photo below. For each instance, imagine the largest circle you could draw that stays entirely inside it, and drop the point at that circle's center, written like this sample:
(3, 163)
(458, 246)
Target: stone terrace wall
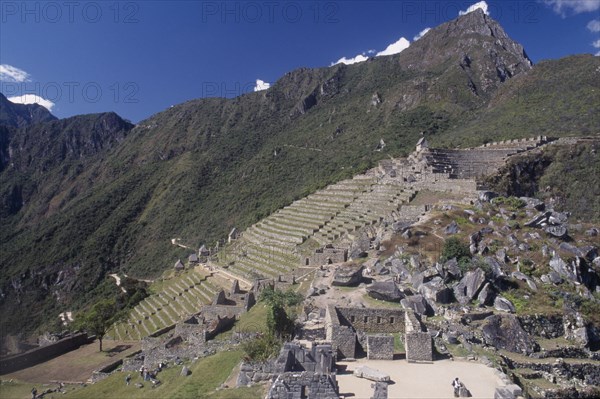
(372, 320)
(39, 355)
(380, 346)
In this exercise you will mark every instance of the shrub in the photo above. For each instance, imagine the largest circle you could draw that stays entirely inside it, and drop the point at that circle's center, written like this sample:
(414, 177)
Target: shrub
(454, 248)
(261, 348)
(512, 203)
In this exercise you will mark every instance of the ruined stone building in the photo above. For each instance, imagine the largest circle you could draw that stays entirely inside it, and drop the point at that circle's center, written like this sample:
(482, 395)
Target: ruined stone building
(369, 330)
(305, 373)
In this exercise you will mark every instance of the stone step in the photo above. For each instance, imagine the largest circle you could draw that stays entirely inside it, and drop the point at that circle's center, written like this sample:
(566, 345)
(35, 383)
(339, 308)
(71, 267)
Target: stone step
(203, 295)
(290, 225)
(256, 267)
(299, 219)
(276, 236)
(280, 229)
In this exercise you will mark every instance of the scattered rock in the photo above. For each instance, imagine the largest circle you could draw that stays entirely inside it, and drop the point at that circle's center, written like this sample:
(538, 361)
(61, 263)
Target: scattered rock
(452, 228)
(593, 232)
(556, 231)
(523, 277)
(504, 305)
(533, 203)
(487, 196)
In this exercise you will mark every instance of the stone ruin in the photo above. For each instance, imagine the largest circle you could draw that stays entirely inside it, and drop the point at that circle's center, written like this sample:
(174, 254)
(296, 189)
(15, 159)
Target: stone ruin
(327, 255)
(355, 330)
(191, 337)
(305, 374)
(454, 170)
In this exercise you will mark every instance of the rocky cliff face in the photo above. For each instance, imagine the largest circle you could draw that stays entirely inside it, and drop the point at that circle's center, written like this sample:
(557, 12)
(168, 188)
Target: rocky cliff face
(472, 49)
(20, 115)
(40, 147)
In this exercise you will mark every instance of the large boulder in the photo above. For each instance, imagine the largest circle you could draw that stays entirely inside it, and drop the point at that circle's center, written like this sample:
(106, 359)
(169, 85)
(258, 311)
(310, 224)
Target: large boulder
(452, 228)
(563, 269)
(436, 291)
(452, 269)
(503, 331)
(495, 264)
(486, 295)
(371, 374)
(416, 303)
(349, 274)
(469, 286)
(385, 291)
(474, 280)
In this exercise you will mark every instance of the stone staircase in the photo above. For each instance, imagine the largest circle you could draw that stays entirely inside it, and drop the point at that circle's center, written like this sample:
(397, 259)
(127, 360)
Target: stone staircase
(180, 297)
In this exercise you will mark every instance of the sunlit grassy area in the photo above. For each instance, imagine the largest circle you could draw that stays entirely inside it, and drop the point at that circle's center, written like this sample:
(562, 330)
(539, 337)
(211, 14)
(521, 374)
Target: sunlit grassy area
(207, 375)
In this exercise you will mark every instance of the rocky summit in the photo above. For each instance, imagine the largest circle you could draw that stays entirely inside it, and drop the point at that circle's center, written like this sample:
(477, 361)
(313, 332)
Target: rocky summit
(434, 205)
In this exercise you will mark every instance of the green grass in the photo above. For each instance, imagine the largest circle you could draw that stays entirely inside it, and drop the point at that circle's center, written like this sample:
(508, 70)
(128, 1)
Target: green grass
(207, 374)
(16, 389)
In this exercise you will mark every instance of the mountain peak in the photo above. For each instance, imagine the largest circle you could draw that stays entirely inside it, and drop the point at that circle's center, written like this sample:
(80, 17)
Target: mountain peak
(473, 46)
(19, 115)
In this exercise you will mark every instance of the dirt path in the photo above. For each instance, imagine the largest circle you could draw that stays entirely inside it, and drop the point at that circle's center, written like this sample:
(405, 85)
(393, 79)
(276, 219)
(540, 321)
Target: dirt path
(77, 365)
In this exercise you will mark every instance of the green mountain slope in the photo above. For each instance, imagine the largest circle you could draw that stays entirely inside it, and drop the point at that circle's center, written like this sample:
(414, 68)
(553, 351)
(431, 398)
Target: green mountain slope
(91, 203)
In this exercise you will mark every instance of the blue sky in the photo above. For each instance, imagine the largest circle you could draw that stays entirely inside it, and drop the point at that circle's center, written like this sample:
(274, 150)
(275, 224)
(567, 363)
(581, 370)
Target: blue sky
(139, 57)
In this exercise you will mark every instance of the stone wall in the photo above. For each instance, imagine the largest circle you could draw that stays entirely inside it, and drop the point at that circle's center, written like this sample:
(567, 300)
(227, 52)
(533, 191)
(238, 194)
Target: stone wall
(417, 343)
(327, 255)
(380, 346)
(543, 326)
(418, 347)
(304, 385)
(44, 353)
(343, 337)
(372, 320)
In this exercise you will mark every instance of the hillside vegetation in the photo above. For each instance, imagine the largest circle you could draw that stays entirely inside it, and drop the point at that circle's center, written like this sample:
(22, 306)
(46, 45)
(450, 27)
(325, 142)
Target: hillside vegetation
(111, 196)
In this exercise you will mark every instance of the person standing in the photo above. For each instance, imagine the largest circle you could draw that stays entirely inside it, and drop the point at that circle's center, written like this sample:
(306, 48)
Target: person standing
(456, 384)
(128, 379)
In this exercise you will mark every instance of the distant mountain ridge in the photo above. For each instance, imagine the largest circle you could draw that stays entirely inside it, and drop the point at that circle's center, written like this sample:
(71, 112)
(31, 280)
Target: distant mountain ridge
(92, 194)
(20, 115)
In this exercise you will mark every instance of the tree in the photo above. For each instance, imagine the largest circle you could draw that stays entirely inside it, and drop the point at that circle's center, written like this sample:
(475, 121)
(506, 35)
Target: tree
(99, 318)
(280, 317)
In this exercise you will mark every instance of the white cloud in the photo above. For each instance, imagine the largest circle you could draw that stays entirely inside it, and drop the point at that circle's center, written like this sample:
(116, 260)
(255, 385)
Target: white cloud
(350, 61)
(261, 85)
(395, 48)
(594, 25)
(561, 7)
(596, 43)
(9, 73)
(32, 99)
(421, 34)
(482, 5)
